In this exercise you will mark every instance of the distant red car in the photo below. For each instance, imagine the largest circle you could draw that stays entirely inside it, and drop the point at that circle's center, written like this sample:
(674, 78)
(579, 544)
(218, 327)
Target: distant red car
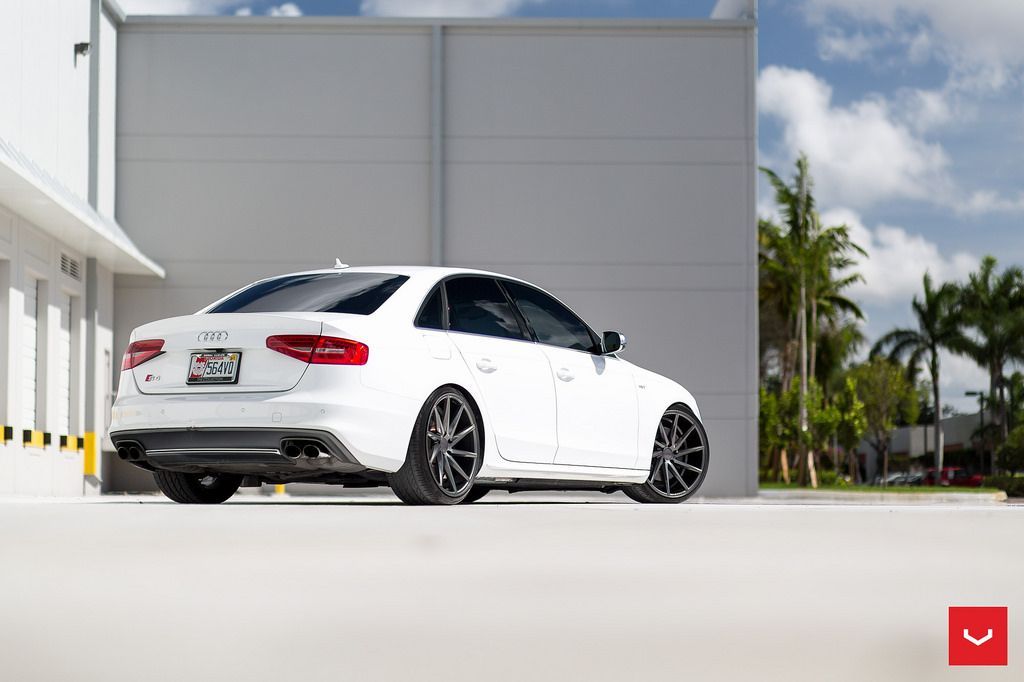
(953, 477)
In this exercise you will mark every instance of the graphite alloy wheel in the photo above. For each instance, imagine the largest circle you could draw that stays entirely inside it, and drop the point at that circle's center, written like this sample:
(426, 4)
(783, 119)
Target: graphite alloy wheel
(197, 488)
(679, 461)
(445, 451)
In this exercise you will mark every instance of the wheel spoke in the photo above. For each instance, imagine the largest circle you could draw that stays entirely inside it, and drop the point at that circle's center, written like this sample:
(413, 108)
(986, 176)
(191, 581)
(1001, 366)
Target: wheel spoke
(682, 441)
(690, 451)
(463, 433)
(452, 464)
(448, 415)
(448, 471)
(457, 417)
(438, 421)
(439, 463)
(664, 435)
(687, 466)
(463, 453)
(677, 476)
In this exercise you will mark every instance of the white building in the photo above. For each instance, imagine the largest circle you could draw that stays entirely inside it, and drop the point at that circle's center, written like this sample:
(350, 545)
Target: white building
(612, 162)
(60, 246)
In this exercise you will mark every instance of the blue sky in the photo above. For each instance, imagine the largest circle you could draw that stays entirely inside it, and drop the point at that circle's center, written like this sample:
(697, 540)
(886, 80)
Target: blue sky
(911, 111)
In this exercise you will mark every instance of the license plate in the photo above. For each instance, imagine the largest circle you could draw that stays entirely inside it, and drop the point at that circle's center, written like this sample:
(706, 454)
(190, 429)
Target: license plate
(214, 368)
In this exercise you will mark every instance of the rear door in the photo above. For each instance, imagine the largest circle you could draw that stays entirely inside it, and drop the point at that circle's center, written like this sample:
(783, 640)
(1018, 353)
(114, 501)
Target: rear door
(595, 394)
(241, 335)
(510, 370)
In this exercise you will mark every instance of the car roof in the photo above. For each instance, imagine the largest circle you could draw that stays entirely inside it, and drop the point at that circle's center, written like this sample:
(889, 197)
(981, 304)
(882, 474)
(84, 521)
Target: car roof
(432, 272)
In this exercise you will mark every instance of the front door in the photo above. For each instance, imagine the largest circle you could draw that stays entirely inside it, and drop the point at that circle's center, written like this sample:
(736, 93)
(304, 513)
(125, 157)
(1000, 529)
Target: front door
(595, 394)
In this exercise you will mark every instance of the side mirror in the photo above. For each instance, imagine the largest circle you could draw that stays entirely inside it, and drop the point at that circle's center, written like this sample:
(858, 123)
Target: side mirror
(612, 342)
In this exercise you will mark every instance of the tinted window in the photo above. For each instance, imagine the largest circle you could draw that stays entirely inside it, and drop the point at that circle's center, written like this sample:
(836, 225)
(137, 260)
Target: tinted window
(359, 293)
(476, 305)
(552, 322)
(431, 316)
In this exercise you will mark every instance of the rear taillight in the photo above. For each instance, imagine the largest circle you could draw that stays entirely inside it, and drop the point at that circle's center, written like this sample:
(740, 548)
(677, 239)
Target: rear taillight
(320, 350)
(141, 351)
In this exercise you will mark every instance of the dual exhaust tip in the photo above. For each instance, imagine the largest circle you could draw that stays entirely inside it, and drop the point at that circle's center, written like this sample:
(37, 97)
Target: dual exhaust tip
(293, 449)
(130, 452)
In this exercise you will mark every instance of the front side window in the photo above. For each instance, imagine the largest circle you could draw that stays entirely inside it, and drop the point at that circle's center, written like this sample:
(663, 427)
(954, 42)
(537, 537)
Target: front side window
(356, 293)
(476, 305)
(552, 322)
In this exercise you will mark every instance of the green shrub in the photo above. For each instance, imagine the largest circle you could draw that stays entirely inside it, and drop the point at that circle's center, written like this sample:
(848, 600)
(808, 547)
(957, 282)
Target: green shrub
(1012, 485)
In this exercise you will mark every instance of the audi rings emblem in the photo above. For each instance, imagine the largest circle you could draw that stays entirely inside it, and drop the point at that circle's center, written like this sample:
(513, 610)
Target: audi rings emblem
(210, 337)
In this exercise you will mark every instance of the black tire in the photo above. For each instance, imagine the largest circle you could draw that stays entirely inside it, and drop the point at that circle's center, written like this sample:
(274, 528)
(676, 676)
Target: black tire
(474, 494)
(415, 482)
(197, 488)
(650, 492)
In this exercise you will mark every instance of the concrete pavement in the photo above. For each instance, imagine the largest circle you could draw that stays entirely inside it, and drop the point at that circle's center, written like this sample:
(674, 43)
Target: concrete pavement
(533, 587)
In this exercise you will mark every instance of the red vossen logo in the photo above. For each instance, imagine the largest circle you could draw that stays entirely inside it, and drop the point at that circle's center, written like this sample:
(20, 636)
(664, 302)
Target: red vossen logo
(977, 635)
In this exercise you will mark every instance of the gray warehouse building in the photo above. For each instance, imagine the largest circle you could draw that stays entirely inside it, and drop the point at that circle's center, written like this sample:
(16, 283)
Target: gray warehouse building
(610, 161)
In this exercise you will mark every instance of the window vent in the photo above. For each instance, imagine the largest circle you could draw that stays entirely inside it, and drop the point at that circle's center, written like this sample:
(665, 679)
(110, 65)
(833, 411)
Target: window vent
(70, 267)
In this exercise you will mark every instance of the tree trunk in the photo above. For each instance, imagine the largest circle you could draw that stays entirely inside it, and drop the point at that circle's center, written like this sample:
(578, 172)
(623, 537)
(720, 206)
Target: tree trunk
(814, 338)
(851, 458)
(784, 464)
(885, 465)
(803, 378)
(812, 468)
(936, 395)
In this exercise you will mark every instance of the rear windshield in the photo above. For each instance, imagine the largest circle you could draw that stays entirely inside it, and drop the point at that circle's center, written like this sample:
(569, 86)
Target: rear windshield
(357, 293)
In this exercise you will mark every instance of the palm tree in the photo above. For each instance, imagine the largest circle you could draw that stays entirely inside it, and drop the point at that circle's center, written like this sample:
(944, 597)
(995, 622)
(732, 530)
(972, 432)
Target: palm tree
(829, 253)
(938, 327)
(799, 262)
(993, 310)
(797, 206)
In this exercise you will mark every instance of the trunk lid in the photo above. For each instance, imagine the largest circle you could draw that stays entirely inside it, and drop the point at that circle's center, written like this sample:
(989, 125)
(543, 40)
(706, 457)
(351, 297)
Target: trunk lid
(245, 334)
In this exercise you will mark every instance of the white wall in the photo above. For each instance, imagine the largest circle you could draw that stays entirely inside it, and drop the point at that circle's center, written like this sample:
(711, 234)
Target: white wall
(44, 110)
(613, 163)
(27, 254)
(107, 115)
(45, 115)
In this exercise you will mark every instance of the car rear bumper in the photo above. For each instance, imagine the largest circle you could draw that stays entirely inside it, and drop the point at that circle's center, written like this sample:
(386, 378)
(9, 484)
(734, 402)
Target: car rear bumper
(369, 426)
(243, 449)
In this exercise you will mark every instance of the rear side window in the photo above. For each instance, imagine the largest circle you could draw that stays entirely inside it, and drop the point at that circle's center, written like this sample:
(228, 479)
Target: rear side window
(432, 314)
(552, 322)
(356, 293)
(476, 305)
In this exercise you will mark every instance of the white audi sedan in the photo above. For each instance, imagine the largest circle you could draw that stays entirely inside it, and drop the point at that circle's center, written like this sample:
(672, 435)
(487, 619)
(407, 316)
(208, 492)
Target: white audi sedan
(442, 383)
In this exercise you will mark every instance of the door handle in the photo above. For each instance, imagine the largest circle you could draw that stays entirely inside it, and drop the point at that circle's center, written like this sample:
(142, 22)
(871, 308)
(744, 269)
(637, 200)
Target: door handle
(486, 366)
(565, 375)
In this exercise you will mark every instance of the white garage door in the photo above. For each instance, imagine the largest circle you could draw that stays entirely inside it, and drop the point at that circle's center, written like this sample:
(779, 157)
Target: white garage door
(63, 424)
(30, 353)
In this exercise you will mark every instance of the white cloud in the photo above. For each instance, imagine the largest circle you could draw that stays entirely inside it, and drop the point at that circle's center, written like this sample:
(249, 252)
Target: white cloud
(897, 260)
(860, 153)
(243, 12)
(979, 39)
(834, 44)
(288, 9)
(443, 8)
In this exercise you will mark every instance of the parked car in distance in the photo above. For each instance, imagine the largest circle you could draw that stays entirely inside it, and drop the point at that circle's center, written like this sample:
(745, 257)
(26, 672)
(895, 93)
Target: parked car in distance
(955, 477)
(442, 383)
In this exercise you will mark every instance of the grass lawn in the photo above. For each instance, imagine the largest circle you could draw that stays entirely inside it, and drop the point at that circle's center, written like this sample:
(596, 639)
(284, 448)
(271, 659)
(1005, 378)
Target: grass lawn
(877, 489)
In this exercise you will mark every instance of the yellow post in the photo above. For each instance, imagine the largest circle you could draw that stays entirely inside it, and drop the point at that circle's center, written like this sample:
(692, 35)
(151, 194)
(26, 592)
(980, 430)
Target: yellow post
(89, 461)
(279, 489)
